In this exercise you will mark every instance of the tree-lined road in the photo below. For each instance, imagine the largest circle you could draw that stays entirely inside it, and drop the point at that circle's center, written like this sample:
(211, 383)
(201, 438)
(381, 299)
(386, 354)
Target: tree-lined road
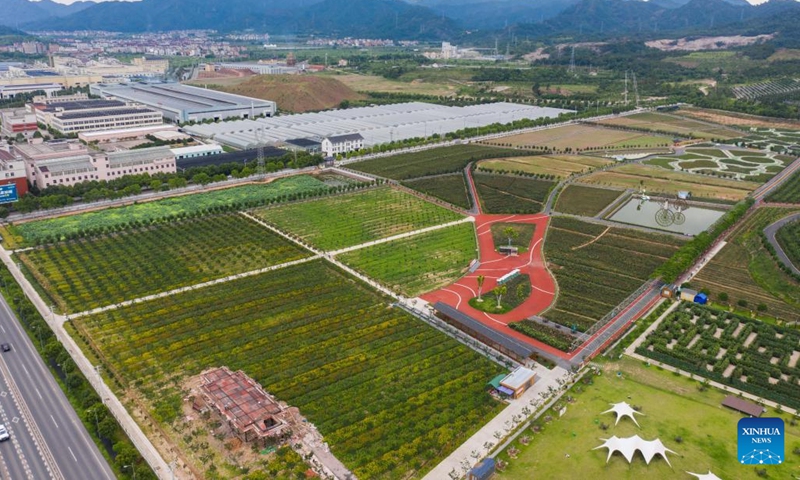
(48, 439)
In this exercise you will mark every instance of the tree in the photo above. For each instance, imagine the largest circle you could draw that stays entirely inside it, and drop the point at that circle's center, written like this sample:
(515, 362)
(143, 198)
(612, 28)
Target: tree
(510, 233)
(481, 279)
(499, 291)
(202, 178)
(723, 297)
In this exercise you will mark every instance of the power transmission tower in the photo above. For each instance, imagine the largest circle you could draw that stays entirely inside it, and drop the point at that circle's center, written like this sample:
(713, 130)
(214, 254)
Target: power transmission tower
(626, 87)
(260, 168)
(572, 61)
(636, 90)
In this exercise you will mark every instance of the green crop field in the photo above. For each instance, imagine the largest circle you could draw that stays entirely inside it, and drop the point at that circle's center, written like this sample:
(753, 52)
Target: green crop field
(585, 201)
(507, 194)
(391, 395)
(450, 188)
(594, 277)
(688, 420)
(520, 238)
(93, 272)
(789, 239)
(560, 166)
(668, 124)
(431, 162)
(142, 214)
(732, 349)
(746, 273)
(421, 263)
(346, 220)
(789, 192)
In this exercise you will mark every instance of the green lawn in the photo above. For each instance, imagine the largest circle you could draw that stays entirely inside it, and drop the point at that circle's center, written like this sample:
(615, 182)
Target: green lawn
(93, 272)
(585, 201)
(346, 220)
(520, 238)
(418, 264)
(672, 406)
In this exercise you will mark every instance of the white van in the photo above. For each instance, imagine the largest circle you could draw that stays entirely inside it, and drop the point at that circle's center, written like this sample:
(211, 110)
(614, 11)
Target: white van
(4, 433)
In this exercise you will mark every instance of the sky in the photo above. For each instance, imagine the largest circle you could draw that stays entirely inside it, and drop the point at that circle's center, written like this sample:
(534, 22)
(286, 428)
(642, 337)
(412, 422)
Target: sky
(67, 2)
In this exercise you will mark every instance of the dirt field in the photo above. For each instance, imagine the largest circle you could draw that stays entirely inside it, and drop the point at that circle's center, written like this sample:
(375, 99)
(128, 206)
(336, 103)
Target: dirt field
(559, 165)
(658, 180)
(581, 137)
(705, 43)
(738, 119)
(371, 83)
(293, 93)
(668, 123)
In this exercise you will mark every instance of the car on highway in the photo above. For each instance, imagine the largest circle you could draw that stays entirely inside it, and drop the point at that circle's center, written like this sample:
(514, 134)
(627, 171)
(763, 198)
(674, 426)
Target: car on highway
(4, 433)
(6, 347)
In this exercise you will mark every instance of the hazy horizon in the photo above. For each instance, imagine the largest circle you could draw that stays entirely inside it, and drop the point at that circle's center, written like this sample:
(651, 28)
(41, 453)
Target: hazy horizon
(68, 2)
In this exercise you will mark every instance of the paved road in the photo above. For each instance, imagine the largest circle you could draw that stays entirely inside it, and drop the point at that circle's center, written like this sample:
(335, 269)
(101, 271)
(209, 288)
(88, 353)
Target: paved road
(47, 438)
(770, 232)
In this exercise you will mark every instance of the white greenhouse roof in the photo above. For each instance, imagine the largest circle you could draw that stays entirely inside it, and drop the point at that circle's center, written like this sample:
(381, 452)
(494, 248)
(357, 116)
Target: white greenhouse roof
(377, 124)
(195, 149)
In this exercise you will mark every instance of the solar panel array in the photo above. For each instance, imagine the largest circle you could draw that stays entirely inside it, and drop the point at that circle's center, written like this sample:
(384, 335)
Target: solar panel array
(378, 124)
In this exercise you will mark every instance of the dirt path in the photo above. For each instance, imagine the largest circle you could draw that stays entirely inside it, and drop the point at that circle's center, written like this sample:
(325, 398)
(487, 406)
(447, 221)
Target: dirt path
(592, 240)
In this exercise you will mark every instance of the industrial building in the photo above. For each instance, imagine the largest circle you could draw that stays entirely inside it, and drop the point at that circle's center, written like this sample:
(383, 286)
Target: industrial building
(93, 115)
(19, 121)
(377, 124)
(196, 151)
(125, 134)
(183, 103)
(68, 163)
(10, 91)
(12, 171)
(517, 382)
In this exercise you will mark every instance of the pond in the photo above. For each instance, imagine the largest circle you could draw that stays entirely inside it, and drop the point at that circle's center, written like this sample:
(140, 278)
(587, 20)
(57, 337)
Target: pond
(692, 220)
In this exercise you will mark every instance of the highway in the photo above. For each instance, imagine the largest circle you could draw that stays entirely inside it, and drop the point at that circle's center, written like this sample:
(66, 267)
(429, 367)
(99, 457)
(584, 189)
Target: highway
(48, 439)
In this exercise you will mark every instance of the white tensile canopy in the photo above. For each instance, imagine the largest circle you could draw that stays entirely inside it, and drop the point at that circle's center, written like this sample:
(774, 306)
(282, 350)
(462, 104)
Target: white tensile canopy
(628, 447)
(705, 476)
(623, 410)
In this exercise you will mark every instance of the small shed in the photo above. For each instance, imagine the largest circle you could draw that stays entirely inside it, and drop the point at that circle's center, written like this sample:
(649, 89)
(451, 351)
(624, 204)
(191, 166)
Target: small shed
(516, 382)
(743, 406)
(484, 470)
(669, 291)
(688, 294)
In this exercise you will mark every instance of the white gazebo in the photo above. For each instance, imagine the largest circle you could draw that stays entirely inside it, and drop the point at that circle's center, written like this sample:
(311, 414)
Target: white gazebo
(705, 476)
(628, 447)
(623, 410)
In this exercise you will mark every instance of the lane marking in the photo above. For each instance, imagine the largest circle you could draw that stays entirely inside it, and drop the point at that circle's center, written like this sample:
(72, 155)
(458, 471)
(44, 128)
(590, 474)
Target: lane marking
(71, 453)
(54, 421)
(38, 393)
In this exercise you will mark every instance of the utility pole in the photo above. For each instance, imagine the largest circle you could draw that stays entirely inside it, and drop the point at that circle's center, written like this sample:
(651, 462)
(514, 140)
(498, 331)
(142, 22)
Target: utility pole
(636, 90)
(626, 87)
(572, 61)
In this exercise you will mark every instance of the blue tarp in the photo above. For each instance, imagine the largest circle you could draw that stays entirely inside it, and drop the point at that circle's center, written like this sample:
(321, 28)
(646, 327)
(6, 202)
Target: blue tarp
(701, 298)
(482, 471)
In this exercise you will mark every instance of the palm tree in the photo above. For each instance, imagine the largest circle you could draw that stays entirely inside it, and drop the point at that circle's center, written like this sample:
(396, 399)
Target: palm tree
(510, 233)
(481, 279)
(499, 291)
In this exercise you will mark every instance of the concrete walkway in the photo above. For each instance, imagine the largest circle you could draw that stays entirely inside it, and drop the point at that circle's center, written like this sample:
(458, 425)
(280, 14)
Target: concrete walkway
(401, 236)
(478, 446)
(772, 230)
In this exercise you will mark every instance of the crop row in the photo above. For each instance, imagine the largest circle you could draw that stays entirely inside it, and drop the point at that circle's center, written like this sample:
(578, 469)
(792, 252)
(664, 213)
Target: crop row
(389, 393)
(754, 356)
(789, 192)
(450, 188)
(509, 194)
(347, 220)
(420, 263)
(432, 162)
(94, 272)
(594, 277)
(169, 209)
(789, 239)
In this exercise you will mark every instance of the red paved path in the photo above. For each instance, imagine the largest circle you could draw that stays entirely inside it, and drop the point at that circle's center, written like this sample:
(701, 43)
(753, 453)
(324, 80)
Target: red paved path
(493, 266)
